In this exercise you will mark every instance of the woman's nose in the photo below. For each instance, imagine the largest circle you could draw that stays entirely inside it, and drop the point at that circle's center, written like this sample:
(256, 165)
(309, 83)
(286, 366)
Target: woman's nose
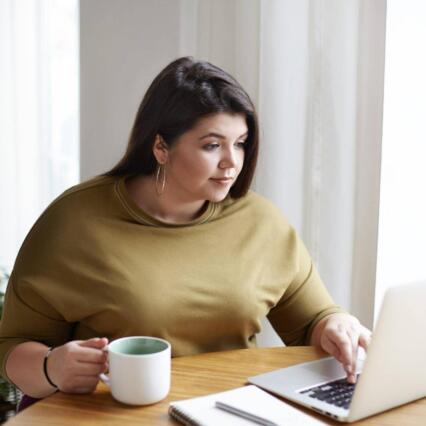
(229, 159)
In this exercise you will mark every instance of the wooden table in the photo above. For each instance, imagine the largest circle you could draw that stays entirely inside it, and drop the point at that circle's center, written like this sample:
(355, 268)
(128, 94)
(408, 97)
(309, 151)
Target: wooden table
(192, 376)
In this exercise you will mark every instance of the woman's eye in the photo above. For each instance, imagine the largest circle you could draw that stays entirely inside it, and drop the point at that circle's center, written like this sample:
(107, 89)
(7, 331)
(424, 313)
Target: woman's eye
(210, 146)
(241, 144)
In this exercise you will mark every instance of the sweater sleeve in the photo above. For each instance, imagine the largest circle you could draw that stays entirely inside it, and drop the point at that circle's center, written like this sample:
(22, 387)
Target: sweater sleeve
(304, 302)
(44, 295)
(31, 320)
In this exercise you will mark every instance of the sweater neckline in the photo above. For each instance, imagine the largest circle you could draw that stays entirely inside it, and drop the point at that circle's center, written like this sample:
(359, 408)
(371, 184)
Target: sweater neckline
(210, 212)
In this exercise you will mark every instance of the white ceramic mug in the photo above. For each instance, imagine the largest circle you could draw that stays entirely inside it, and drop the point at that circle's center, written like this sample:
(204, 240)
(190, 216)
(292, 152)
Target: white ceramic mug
(139, 369)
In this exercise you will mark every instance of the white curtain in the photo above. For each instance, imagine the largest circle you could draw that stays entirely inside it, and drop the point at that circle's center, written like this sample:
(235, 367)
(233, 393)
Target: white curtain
(38, 112)
(315, 71)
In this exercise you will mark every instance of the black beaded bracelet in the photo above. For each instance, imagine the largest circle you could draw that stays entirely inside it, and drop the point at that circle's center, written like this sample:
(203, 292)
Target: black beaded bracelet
(49, 351)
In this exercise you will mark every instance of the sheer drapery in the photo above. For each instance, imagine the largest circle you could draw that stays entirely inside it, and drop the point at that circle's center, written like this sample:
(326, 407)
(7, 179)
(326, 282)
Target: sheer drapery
(38, 112)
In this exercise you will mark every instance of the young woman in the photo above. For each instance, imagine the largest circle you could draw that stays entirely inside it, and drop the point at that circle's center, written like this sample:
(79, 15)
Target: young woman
(169, 243)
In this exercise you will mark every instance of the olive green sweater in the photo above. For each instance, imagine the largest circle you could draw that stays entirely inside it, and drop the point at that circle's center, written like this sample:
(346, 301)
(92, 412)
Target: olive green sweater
(95, 264)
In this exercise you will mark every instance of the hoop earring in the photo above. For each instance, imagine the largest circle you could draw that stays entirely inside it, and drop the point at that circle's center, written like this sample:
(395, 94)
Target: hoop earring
(160, 186)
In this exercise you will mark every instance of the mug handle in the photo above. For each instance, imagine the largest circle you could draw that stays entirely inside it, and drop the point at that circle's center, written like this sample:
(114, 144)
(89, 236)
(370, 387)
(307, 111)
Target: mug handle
(105, 379)
(103, 376)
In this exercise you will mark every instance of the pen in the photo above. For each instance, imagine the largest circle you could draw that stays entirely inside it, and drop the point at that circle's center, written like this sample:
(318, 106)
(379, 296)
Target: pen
(254, 418)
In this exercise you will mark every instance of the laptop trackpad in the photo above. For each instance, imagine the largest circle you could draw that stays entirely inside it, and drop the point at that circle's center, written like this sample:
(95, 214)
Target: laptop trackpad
(302, 376)
(328, 368)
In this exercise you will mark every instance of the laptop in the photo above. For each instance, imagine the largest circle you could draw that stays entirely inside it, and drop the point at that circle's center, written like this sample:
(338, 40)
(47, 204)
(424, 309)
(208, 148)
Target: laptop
(393, 372)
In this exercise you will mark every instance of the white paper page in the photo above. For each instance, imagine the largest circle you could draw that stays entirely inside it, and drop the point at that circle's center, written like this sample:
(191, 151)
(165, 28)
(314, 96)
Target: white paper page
(250, 398)
(259, 403)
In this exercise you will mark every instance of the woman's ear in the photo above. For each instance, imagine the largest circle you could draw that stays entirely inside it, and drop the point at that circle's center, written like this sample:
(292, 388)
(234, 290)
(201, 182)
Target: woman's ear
(160, 150)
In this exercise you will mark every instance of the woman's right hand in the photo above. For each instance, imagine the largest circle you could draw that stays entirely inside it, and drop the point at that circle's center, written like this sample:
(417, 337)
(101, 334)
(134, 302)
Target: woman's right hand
(75, 366)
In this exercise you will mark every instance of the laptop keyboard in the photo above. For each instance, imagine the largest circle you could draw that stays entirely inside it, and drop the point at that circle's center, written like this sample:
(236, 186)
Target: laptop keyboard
(338, 392)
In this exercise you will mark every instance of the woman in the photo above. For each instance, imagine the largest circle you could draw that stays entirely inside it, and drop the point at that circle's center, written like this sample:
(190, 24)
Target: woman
(169, 243)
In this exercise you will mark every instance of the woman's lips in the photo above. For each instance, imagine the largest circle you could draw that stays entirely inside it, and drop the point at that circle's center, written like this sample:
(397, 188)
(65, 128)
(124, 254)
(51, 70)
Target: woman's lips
(222, 181)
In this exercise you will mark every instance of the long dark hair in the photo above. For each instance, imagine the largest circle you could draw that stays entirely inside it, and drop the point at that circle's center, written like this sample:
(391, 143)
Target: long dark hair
(185, 91)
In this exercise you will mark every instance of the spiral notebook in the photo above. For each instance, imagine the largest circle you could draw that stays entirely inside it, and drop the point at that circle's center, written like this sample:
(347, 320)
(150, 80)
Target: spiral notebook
(244, 406)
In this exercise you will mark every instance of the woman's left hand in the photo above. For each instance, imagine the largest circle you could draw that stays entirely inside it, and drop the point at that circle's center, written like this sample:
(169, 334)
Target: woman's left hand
(340, 335)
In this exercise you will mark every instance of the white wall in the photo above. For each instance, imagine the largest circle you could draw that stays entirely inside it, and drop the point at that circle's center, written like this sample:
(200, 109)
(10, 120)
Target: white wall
(123, 44)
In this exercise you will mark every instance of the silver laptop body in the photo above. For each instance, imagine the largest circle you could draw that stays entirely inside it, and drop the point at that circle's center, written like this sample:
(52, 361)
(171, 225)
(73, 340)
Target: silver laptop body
(393, 373)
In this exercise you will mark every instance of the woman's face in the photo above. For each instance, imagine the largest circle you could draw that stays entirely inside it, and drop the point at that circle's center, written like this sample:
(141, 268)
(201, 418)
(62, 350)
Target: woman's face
(205, 161)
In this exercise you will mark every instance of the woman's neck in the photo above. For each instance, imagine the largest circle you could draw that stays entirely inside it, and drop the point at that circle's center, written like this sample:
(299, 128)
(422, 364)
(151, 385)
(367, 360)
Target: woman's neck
(165, 207)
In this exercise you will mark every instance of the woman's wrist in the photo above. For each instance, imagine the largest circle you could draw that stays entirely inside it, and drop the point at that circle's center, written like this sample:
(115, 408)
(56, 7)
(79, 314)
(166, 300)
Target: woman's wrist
(45, 368)
(315, 339)
(24, 368)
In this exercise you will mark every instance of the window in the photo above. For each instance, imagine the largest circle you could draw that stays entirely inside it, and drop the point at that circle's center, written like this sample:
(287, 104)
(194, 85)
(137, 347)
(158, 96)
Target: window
(402, 219)
(38, 112)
